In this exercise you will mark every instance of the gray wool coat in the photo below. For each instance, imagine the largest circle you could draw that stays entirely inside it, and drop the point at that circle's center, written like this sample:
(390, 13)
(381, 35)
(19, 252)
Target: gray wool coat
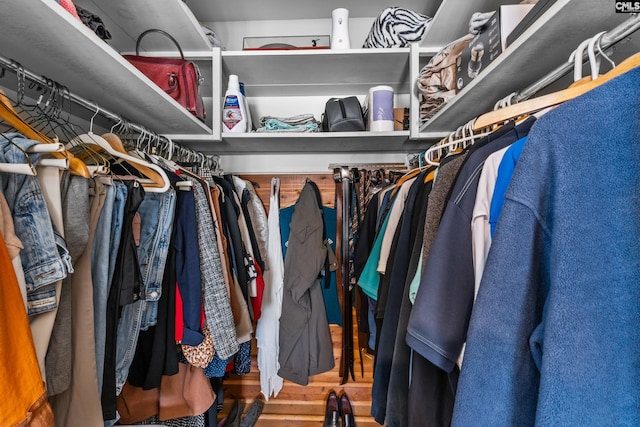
(305, 339)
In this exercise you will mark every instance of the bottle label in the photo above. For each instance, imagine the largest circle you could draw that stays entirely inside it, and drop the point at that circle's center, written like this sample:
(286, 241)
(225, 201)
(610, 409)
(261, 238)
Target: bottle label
(231, 114)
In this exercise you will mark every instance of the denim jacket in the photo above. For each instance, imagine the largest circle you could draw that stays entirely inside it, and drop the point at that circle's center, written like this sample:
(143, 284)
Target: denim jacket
(45, 258)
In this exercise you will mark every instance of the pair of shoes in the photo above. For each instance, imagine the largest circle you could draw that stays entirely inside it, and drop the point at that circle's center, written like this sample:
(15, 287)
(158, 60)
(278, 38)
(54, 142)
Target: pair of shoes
(338, 408)
(236, 418)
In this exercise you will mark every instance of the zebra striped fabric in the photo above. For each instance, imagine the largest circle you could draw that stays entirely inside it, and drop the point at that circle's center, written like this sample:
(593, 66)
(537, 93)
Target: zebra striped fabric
(397, 27)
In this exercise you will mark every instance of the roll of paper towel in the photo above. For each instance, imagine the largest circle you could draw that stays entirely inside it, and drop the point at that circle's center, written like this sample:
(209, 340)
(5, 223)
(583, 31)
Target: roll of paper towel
(381, 108)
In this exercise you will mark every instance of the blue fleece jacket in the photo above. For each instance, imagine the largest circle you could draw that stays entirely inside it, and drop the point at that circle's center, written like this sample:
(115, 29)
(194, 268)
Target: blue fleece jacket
(554, 337)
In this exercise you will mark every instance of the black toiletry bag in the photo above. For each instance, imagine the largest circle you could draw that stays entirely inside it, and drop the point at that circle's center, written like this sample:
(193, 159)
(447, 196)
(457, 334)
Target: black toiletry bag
(343, 115)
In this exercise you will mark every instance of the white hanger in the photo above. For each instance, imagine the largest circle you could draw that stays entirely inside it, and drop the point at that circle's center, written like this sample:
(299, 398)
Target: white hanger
(28, 168)
(54, 163)
(56, 147)
(594, 63)
(595, 41)
(90, 138)
(21, 168)
(459, 138)
(576, 58)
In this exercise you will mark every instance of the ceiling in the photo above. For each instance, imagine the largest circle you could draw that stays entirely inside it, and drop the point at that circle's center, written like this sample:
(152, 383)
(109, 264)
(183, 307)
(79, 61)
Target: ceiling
(241, 10)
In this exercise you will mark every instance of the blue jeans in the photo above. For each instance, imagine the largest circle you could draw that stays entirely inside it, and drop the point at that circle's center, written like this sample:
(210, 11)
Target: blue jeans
(157, 212)
(116, 225)
(100, 275)
(156, 220)
(45, 259)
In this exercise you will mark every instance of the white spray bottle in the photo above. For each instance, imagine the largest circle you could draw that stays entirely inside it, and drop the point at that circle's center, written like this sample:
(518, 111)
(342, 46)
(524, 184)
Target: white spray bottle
(234, 113)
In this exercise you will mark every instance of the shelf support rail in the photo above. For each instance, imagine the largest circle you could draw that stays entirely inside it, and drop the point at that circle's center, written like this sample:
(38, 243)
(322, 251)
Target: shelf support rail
(608, 39)
(14, 66)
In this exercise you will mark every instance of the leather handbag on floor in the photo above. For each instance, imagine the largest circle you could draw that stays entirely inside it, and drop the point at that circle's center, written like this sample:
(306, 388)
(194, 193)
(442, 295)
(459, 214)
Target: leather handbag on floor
(177, 77)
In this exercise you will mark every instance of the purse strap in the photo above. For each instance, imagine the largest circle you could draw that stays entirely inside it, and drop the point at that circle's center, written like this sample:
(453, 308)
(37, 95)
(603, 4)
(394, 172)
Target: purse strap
(155, 30)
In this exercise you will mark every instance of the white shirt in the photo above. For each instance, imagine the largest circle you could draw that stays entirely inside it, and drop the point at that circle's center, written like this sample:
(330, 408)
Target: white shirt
(394, 220)
(268, 328)
(480, 228)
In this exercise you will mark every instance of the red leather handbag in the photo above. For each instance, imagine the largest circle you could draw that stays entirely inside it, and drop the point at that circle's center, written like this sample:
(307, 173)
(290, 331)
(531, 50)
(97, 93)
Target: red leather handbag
(179, 78)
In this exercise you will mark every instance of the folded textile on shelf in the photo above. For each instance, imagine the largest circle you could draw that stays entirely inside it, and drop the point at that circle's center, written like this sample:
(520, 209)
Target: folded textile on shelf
(299, 123)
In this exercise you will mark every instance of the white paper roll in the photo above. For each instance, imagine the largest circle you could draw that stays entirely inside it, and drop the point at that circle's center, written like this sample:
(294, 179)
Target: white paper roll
(381, 109)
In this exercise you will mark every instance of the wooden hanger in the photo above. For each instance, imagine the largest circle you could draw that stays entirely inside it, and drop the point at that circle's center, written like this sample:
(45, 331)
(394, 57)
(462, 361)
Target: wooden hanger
(115, 141)
(159, 186)
(9, 116)
(553, 99)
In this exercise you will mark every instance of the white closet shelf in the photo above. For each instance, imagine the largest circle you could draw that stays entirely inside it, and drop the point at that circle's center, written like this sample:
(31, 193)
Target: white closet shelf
(318, 72)
(309, 143)
(65, 50)
(128, 19)
(447, 26)
(538, 51)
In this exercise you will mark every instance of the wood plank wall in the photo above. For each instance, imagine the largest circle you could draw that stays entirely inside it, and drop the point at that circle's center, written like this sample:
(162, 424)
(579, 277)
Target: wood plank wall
(295, 405)
(291, 186)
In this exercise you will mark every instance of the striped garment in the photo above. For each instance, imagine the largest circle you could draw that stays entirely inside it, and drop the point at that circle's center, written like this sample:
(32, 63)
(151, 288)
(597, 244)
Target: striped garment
(396, 27)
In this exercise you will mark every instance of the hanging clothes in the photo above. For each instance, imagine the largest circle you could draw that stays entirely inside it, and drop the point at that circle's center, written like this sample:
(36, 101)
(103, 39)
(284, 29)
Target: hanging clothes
(305, 340)
(480, 227)
(101, 263)
(22, 392)
(124, 271)
(79, 404)
(76, 211)
(390, 296)
(557, 312)
(330, 285)
(267, 328)
(435, 332)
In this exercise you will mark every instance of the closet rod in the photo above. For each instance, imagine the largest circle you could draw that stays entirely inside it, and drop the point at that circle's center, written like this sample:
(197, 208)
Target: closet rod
(367, 165)
(608, 39)
(16, 67)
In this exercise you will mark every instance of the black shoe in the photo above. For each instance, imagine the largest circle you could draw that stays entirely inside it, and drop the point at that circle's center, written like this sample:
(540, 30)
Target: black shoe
(332, 411)
(233, 419)
(251, 415)
(346, 411)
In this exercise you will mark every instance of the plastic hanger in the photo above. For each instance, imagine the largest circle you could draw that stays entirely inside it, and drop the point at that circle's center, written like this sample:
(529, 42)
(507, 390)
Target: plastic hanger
(21, 168)
(591, 50)
(553, 99)
(457, 140)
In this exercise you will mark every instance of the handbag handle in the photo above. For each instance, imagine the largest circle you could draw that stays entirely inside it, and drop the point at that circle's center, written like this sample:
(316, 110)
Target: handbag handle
(155, 30)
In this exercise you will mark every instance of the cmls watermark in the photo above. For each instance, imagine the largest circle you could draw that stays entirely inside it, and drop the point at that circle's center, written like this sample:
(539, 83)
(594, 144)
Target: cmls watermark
(627, 6)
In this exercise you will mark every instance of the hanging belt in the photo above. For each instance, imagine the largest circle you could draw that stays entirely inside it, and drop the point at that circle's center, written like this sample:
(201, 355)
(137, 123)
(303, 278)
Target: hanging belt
(357, 215)
(342, 197)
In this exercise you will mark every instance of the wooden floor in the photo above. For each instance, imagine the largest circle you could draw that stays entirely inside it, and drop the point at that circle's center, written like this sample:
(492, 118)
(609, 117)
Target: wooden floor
(304, 406)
